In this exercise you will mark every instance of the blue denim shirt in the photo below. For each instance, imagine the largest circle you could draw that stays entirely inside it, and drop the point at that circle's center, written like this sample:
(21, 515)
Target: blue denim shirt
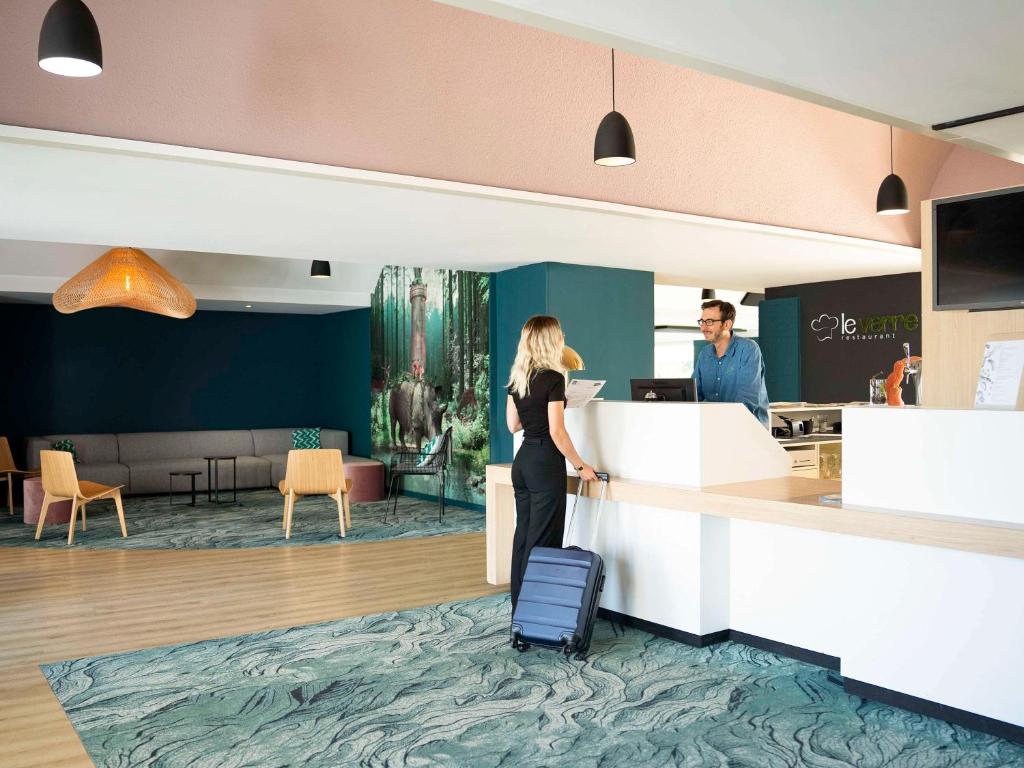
(735, 377)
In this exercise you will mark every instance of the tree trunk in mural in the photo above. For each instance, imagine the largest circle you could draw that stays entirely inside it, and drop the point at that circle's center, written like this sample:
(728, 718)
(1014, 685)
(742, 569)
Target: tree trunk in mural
(418, 350)
(449, 351)
(471, 284)
(462, 335)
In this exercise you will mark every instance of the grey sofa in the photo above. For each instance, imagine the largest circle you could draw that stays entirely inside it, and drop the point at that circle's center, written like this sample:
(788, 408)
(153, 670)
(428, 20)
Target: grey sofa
(143, 461)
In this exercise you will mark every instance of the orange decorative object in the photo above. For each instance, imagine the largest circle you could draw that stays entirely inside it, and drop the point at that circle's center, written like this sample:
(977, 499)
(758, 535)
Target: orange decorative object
(893, 390)
(126, 277)
(571, 359)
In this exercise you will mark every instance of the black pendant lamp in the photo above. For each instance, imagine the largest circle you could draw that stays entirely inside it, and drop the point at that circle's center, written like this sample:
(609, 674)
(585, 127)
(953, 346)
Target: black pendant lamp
(707, 294)
(751, 299)
(69, 41)
(613, 144)
(320, 269)
(892, 195)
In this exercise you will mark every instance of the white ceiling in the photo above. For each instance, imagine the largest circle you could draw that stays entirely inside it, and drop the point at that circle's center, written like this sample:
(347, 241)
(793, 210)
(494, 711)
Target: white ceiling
(30, 271)
(913, 63)
(206, 206)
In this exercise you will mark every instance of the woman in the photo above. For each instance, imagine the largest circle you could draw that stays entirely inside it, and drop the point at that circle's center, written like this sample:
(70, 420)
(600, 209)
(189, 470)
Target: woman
(536, 405)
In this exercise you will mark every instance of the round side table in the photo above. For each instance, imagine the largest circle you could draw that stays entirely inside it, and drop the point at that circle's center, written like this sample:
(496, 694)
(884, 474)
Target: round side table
(170, 486)
(213, 478)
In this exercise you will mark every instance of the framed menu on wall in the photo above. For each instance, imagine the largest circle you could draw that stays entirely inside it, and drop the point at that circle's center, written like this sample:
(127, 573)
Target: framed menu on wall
(1001, 379)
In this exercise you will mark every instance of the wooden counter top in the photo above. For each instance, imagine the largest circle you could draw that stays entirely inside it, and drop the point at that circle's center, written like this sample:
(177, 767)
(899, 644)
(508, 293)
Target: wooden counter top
(794, 501)
(795, 490)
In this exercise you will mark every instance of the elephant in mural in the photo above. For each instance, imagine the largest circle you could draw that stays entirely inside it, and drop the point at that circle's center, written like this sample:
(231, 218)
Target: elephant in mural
(415, 411)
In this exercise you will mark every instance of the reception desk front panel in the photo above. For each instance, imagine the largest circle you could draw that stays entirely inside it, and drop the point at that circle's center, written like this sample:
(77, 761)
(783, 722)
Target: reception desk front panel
(961, 463)
(924, 606)
(692, 444)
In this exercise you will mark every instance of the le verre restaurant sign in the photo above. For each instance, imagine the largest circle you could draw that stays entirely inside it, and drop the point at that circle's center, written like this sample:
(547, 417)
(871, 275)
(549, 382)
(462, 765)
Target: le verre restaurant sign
(852, 329)
(843, 327)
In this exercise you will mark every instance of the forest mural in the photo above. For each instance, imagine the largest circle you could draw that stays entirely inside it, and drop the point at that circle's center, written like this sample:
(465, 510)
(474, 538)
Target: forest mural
(430, 369)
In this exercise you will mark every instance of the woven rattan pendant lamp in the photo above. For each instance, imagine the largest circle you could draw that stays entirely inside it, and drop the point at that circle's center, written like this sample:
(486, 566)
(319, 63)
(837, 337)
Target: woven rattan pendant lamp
(126, 277)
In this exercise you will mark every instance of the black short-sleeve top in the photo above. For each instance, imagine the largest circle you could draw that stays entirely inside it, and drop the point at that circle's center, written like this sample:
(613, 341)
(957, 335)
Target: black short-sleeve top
(546, 386)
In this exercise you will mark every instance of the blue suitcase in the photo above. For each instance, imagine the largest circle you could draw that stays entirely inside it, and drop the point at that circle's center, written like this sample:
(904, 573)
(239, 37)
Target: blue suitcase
(560, 593)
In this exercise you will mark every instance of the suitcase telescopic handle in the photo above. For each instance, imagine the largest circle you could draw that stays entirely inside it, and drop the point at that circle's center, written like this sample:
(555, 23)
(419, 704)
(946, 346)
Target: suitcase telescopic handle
(603, 477)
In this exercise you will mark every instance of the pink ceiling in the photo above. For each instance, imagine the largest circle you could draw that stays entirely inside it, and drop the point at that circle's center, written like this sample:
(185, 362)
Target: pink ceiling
(413, 87)
(965, 171)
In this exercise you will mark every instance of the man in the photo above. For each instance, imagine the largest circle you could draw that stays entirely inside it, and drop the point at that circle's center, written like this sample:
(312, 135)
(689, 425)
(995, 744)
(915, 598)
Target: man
(729, 369)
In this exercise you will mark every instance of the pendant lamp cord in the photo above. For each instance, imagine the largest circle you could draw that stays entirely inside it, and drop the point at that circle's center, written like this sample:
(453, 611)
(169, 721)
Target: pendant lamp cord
(891, 171)
(613, 79)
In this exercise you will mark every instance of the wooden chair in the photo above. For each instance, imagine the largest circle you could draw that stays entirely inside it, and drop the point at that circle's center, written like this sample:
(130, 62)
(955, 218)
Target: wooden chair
(60, 483)
(312, 472)
(8, 471)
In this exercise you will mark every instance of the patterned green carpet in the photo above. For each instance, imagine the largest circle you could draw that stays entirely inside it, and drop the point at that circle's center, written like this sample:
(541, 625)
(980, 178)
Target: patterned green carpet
(440, 686)
(254, 522)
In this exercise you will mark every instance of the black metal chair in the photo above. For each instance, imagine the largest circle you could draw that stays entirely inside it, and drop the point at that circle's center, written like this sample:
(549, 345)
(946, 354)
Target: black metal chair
(412, 463)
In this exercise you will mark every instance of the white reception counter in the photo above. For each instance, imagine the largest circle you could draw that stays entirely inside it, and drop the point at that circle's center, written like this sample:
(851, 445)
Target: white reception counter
(913, 589)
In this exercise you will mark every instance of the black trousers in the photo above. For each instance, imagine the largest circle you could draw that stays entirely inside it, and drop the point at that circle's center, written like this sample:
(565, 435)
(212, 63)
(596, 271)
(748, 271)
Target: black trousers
(538, 478)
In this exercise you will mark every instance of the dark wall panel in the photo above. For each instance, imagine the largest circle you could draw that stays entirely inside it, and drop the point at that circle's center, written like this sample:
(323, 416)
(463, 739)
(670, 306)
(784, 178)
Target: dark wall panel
(780, 331)
(345, 375)
(851, 329)
(116, 370)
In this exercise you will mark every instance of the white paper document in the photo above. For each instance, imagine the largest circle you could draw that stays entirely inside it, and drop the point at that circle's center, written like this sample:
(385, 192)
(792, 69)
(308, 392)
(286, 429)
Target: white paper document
(582, 391)
(1002, 367)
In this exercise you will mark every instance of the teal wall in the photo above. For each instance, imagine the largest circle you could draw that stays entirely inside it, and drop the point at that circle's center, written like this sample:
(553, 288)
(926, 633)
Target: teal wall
(607, 315)
(516, 295)
(116, 370)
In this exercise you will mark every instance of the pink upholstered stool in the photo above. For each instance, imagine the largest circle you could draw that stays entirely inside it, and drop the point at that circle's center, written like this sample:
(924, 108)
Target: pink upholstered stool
(367, 476)
(59, 512)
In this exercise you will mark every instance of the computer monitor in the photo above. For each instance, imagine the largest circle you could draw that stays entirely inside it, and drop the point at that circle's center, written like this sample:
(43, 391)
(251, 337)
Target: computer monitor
(655, 390)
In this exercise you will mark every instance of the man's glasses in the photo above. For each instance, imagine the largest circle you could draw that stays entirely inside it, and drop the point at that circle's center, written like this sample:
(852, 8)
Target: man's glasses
(708, 323)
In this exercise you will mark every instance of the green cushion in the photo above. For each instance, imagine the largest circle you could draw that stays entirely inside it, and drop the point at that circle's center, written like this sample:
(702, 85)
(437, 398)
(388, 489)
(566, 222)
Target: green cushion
(306, 438)
(69, 446)
(428, 449)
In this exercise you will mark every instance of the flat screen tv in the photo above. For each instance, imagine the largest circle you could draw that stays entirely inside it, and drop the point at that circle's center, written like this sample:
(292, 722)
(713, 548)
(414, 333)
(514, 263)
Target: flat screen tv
(979, 251)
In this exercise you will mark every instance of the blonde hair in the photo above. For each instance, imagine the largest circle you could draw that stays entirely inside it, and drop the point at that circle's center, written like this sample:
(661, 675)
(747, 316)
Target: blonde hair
(540, 348)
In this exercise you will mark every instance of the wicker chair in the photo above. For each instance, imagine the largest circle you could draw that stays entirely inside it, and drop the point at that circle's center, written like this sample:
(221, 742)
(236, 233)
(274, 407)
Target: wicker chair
(412, 463)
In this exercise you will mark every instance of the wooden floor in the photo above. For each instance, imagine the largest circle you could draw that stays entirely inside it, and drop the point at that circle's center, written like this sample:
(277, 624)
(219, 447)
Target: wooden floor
(64, 604)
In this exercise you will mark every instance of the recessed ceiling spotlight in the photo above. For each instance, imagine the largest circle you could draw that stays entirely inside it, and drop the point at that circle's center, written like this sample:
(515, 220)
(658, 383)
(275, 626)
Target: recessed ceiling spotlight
(248, 306)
